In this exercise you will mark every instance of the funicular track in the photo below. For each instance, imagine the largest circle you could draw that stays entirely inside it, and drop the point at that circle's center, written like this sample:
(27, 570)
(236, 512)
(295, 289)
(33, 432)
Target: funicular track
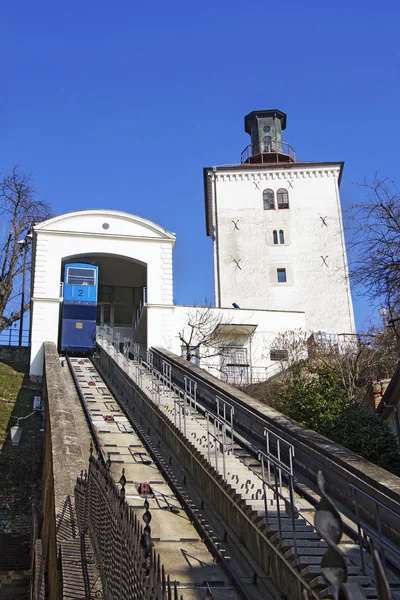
(264, 489)
(197, 550)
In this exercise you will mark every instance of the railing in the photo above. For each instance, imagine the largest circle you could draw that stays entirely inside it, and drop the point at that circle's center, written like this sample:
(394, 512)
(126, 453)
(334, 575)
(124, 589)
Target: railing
(139, 310)
(371, 536)
(263, 147)
(133, 568)
(10, 337)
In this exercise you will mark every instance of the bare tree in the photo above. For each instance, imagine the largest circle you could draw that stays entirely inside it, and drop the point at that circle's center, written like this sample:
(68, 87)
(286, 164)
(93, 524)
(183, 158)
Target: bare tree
(355, 360)
(19, 210)
(376, 247)
(207, 335)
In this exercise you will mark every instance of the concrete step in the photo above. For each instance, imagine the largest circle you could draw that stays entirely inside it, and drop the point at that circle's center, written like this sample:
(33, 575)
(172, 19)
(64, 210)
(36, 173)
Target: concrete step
(300, 535)
(313, 570)
(320, 582)
(304, 552)
(289, 543)
(369, 592)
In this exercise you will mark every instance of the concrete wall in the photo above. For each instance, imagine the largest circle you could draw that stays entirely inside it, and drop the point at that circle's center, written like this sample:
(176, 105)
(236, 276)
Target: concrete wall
(14, 353)
(244, 233)
(82, 233)
(66, 449)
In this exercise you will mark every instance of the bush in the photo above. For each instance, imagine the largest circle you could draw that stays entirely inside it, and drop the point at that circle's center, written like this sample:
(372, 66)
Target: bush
(364, 433)
(313, 397)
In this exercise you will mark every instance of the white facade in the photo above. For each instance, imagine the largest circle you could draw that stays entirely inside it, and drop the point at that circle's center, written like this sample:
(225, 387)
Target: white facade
(132, 253)
(308, 244)
(250, 334)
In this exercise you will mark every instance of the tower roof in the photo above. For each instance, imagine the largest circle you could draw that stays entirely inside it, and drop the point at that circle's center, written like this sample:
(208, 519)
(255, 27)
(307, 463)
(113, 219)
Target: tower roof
(264, 113)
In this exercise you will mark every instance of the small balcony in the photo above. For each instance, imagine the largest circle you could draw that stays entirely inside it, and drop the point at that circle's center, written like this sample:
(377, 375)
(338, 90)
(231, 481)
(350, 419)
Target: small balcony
(268, 152)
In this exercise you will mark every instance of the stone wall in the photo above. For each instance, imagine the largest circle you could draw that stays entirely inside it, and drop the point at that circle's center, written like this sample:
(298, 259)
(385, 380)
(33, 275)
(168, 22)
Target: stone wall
(66, 455)
(15, 354)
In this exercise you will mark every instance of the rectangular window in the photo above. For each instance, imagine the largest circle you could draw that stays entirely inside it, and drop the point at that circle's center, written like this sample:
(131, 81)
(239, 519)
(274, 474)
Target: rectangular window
(79, 276)
(281, 273)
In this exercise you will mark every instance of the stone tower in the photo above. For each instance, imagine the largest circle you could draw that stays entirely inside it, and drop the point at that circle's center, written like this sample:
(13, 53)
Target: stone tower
(276, 225)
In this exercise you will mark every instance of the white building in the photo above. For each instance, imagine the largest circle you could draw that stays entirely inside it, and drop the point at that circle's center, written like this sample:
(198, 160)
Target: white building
(277, 230)
(134, 257)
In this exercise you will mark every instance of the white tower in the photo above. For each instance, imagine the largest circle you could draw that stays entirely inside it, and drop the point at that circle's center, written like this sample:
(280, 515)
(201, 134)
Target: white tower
(277, 230)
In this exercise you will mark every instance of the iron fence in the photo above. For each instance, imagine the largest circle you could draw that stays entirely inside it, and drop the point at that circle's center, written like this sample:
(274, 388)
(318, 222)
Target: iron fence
(11, 335)
(129, 566)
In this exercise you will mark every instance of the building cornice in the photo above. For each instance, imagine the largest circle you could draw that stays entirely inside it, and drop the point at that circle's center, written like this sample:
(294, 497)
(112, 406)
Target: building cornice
(116, 236)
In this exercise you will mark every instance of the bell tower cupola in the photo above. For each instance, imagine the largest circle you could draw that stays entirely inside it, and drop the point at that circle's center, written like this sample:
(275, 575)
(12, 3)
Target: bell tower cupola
(265, 128)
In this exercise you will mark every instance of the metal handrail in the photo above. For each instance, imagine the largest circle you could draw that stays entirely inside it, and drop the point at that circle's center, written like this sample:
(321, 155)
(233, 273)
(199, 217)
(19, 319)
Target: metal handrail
(262, 147)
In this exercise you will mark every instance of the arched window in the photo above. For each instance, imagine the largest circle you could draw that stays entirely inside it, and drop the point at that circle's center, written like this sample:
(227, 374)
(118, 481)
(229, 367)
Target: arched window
(281, 237)
(275, 235)
(283, 198)
(269, 199)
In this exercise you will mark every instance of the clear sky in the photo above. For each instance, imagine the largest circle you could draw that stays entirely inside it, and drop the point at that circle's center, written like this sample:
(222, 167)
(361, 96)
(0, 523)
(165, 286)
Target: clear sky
(120, 104)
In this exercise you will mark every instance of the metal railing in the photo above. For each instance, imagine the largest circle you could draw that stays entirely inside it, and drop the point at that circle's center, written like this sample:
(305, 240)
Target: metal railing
(139, 310)
(133, 569)
(370, 534)
(10, 337)
(268, 147)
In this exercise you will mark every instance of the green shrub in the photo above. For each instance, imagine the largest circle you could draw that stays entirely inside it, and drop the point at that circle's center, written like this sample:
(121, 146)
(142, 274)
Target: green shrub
(363, 432)
(313, 397)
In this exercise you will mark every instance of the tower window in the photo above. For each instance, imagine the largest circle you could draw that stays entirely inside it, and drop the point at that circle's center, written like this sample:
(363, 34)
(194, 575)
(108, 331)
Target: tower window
(269, 200)
(275, 235)
(283, 198)
(281, 237)
(281, 275)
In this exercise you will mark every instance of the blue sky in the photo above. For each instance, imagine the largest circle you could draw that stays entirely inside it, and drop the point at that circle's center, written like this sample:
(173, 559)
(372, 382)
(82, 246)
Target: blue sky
(120, 105)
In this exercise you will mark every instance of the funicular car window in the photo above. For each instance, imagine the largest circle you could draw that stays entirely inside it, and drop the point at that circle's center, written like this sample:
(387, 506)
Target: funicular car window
(76, 276)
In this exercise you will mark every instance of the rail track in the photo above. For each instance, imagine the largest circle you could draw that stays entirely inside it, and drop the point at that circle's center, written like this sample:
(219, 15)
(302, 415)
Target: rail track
(200, 555)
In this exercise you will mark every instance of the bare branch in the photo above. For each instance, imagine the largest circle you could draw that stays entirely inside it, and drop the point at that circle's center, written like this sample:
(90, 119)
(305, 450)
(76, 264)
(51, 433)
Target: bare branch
(20, 210)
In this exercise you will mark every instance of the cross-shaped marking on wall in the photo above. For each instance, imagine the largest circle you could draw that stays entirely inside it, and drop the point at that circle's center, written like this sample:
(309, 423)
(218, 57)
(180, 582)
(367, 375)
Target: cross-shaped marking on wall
(235, 224)
(256, 186)
(324, 260)
(290, 182)
(323, 219)
(237, 263)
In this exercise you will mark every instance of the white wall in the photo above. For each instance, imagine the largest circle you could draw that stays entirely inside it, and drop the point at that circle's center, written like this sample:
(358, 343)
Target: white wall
(166, 323)
(82, 233)
(321, 291)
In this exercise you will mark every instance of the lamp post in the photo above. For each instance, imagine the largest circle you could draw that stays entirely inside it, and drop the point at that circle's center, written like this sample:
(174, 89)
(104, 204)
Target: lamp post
(24, 244)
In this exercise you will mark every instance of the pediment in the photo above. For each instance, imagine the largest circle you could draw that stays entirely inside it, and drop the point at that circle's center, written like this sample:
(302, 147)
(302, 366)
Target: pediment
(104, 222)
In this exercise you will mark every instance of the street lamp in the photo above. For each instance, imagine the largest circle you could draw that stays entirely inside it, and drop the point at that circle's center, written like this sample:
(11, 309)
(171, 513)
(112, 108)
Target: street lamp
(24, 246)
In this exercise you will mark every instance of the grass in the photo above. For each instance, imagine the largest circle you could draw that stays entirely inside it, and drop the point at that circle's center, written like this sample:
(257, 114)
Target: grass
(20, 466)
(10, 385)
